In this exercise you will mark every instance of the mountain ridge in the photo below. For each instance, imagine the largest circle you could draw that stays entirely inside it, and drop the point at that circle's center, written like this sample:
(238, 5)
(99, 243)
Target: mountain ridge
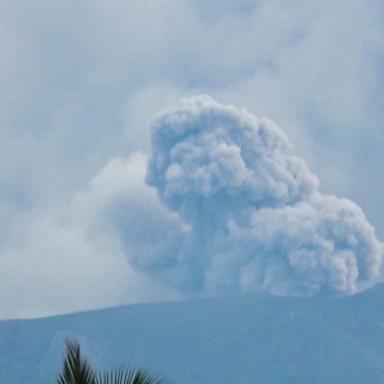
(239, 339)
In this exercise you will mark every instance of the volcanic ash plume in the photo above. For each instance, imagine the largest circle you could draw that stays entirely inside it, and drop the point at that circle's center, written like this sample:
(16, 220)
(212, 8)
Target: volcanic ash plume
(248, 215)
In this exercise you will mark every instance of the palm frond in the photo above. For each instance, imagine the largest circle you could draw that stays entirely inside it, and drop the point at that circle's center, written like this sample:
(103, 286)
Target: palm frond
(76, 369)
(127, 376)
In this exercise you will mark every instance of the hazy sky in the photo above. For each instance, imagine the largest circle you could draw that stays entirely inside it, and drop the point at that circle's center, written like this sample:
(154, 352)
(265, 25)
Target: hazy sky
(81, 82)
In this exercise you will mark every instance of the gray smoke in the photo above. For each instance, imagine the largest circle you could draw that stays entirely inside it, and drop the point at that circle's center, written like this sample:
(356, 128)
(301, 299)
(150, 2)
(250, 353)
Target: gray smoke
(250, 214)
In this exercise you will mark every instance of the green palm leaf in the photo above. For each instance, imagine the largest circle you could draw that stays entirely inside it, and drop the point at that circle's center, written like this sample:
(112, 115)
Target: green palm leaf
(127, 376)
(76, 369)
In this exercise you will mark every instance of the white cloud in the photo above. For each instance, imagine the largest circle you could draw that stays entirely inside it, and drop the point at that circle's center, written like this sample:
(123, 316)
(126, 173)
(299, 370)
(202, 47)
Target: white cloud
(70, 260)
(80, 83)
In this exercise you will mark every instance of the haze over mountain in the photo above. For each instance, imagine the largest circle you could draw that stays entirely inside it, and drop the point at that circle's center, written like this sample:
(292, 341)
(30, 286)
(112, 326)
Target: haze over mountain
(243, 339)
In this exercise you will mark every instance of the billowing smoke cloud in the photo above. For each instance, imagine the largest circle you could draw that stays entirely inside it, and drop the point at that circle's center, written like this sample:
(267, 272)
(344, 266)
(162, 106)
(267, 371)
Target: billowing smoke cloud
(250, 214)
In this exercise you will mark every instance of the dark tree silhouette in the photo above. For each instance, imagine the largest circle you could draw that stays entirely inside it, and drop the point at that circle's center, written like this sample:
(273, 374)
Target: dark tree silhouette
(77, 370)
